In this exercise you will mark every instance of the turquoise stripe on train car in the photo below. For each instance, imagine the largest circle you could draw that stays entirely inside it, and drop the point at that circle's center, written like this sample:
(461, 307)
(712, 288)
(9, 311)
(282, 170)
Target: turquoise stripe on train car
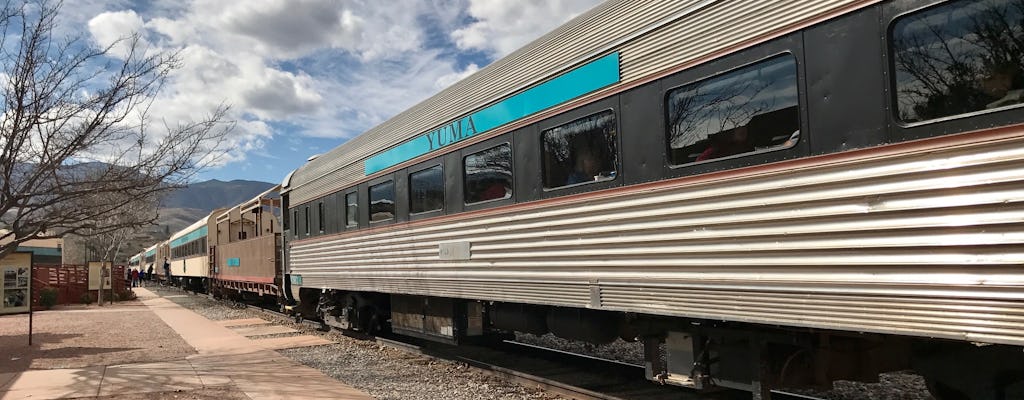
(196, 234)
(587, 78)
(150, 252)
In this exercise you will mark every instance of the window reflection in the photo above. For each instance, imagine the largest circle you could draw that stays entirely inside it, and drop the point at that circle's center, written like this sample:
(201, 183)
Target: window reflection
(961, 57)
(488, 174)
(351, 210)
(382, 201)
(748, 110)
(426, 190)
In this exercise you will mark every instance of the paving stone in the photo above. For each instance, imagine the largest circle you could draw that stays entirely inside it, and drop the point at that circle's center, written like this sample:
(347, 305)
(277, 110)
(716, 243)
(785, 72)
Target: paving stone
(291, 342)
(262, 330)
(242, 322)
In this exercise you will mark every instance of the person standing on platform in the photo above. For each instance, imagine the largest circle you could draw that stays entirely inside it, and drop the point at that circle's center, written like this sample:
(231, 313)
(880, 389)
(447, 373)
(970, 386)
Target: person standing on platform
(167, 271)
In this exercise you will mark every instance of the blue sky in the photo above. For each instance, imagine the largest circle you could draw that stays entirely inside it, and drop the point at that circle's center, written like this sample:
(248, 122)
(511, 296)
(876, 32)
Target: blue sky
(303, 76)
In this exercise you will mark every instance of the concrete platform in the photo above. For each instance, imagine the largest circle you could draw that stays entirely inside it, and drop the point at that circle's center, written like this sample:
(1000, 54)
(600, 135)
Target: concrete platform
(224, 359)
(249, 331)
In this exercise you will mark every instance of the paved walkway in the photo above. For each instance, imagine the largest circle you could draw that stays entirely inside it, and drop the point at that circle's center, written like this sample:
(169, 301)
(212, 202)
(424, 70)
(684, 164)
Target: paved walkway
(225, 359)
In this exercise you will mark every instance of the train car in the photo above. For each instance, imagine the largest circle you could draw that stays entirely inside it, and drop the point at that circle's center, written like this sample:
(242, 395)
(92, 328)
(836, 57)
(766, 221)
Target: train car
(189, 254)
(149, 257)
(135, 262)
(247, 249)
(767, 193)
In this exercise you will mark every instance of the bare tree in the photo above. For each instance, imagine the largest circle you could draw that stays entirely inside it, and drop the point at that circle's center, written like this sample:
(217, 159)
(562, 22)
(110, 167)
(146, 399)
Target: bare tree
(77, 143)
(107, 244)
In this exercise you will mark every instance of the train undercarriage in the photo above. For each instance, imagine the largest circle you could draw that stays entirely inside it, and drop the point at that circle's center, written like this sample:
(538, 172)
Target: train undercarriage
(698, 354)
(265, 295)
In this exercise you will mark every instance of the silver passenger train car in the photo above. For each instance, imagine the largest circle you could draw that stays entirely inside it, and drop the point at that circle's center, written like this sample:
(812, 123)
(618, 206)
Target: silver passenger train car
(767, 193)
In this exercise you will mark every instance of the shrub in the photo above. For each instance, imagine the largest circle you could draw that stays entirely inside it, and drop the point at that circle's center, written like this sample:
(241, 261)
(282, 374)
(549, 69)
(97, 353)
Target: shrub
(126, 295)
(85, 298)
(48, 297)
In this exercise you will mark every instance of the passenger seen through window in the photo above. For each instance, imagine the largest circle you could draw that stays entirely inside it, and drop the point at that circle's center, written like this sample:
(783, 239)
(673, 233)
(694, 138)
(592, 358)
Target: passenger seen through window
(581, 151)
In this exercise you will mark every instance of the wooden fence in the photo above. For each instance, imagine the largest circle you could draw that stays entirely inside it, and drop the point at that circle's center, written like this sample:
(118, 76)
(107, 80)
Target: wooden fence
(72, 283)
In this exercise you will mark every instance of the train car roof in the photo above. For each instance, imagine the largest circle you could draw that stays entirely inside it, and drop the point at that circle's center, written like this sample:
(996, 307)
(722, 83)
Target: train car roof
(252, 203)
(195, 225)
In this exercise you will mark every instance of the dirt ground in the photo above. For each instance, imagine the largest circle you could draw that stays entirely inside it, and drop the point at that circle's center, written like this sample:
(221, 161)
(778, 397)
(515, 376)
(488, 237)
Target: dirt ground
(83, 336)
(202, 394)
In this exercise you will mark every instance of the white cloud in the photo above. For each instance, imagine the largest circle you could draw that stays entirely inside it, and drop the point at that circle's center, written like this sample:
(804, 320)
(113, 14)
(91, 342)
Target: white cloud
(323, 68)
(292, 28)
(450, 79)
(504, 26)
(115, 29)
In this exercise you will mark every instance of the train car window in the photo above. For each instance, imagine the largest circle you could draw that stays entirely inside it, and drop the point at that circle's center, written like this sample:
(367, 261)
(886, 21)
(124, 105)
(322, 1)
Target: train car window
(488, 174)
(352, 210)
(959, 58)
(295, 222)
(749, 110)
(580, 152)
(382, 201)
(320, 215)
(426, 190)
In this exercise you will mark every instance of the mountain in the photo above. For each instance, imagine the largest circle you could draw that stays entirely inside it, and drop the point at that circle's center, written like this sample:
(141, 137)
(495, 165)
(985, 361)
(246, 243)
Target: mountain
(187, 205)
(212, 194)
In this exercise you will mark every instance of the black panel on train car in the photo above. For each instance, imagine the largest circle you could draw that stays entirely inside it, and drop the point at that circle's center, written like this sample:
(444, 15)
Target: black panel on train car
(422, 201)
(343, 209)
(338, 210)
(304, 228)
(364, 205)
(605, 181)
(331, 214)
(401, 195)
(493, 145)
(317, 217)
(379, 206)
(526, 147)
(643, 138)
(1002, 106)
(323, 210)
(294, 213)
(787, 46)
(453, 182)
(844, 96)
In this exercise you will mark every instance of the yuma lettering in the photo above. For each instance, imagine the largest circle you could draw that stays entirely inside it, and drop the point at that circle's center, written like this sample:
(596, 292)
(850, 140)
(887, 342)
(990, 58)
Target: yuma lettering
(451, 133)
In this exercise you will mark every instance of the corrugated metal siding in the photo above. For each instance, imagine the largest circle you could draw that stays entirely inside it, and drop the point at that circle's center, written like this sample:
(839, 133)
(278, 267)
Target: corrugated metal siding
(927, 243)
(196, 267)
(703, 27)
(257, 260)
